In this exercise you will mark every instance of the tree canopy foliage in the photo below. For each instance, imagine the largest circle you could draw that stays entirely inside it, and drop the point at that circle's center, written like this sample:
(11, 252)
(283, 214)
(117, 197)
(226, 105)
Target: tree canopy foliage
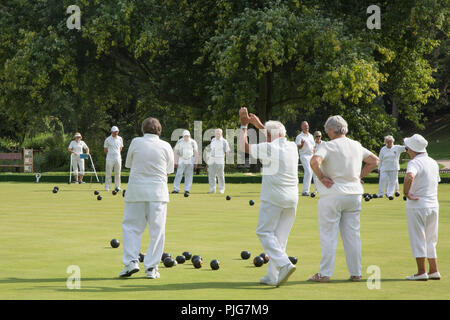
(186, 60)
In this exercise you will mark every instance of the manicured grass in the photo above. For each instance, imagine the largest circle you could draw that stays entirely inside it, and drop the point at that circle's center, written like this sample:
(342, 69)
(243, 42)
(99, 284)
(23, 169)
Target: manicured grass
(42, 233)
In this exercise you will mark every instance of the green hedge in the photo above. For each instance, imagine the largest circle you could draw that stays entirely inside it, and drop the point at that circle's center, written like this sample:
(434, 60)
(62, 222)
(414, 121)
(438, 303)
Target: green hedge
(232, 178)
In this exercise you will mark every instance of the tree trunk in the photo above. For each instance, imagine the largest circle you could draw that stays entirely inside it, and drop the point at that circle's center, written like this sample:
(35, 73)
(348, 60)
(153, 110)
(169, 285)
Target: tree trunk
(394, 109)
(264, 102)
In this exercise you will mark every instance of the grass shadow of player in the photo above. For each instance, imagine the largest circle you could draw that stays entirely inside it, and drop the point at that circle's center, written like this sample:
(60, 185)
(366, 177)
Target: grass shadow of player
(152, 285)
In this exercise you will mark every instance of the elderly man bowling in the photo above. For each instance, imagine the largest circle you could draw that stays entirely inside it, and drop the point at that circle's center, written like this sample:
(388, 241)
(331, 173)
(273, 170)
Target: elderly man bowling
(337, 165)
(279, 193)
(305, 143)
(422, 207)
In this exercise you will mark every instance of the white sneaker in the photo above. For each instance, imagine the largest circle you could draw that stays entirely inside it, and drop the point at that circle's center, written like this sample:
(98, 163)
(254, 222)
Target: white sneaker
(133, 267)
(434, 276)
(267, 281)
(152, 273)
(285, 273)
(415, 277)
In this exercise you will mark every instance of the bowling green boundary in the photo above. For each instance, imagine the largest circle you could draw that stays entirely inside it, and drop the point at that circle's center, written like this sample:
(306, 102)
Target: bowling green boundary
(42, 234)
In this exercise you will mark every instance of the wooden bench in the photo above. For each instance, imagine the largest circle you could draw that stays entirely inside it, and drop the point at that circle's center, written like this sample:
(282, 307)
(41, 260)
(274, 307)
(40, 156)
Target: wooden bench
(14, 157)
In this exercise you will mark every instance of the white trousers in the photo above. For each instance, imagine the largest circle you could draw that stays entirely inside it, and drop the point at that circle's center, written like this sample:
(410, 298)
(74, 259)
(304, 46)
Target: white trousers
(274, 226)
(111, 165)
(423, 231)
(188, 170)
(388, 183)
(136, 217)
(77, 163)
(340, 213)
(216, 170)
(308, 173)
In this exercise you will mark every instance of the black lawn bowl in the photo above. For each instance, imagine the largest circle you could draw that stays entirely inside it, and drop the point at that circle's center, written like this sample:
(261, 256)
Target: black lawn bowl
(96, 193)
(186, 194)
(245, 255)
(228, 198)
(391, 198)
(197, 263)
(294, 260)
(214, 264)
(165, 255)
(114, 243)
(99, 197)
(397, 194)
(180, 259)
(141, 257)
(251, 202)
(313, 195)
(374, 196)
(123, 193)
(169, 262)
(258, 261)
(265, 257)
(187, 255)
(114, 192)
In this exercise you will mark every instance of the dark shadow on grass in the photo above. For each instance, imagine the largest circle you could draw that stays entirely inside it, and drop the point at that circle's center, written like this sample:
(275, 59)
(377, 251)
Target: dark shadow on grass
(201, 285)
(149, 285)
(153, 285)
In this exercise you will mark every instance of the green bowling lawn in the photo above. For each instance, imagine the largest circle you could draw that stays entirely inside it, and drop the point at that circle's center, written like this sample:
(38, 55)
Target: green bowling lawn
(42, 234)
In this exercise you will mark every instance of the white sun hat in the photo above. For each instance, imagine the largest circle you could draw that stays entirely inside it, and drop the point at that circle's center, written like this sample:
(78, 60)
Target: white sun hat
(186, 133)
(114, 129)
(77, 135)
(416, 143)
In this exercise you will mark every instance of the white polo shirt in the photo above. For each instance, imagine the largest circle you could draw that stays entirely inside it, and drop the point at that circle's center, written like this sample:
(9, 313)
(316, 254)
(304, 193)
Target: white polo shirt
(317, 145)
(113, 145)
(389, 158)
(279, 173)
(77, 147)
(425, 184)
(150, 160)
(185, 150)
(341, 161)
(218, 150)
(308, 147)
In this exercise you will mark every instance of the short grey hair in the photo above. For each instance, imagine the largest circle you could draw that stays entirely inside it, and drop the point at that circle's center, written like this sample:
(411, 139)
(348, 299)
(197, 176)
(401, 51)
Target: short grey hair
(337, 124)
(387, 138)
(275, 126)
(218, 130)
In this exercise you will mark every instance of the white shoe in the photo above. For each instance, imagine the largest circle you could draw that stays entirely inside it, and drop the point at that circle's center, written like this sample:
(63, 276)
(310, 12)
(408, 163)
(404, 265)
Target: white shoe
(133, 267)
(265, 280)
(152, 273)
(434, 276)
(285, 273)
(415, 277)
(221, 192)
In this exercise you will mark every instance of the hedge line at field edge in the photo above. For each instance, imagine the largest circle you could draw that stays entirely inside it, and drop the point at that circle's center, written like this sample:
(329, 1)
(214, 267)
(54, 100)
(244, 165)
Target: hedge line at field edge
(197, 179)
